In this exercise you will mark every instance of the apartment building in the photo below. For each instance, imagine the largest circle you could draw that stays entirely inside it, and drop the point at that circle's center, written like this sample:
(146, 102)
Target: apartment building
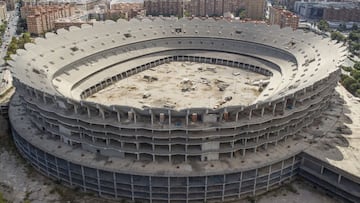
(165, 7)
(40, 19)
(283, 18)
(2, 11)
(254, 8)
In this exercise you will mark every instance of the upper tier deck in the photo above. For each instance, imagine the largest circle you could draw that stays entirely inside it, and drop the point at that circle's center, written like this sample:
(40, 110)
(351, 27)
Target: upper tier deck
(63, 62)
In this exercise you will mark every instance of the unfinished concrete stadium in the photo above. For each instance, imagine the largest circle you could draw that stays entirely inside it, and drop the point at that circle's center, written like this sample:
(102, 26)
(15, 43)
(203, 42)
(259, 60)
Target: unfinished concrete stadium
(175, 110)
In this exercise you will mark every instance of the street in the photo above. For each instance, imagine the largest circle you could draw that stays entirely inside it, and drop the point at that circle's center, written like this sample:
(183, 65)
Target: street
(9, 33)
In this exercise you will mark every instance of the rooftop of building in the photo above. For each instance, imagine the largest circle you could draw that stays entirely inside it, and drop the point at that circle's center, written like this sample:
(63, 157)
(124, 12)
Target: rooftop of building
(51, 64)
(336, 5)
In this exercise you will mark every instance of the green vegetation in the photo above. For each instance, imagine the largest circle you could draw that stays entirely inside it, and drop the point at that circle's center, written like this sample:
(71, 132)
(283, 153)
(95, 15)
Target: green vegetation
(354, 41)
(323, 26)
(17, 43)
(338, 36)
(2, 30)
(2, 199)
(241, 13)
(351, 80)
(21, 26)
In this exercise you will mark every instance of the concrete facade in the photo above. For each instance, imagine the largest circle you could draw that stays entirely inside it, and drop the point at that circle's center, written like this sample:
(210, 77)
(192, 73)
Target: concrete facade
(283, 18)
(164, 154)
(3, 11)
(41, 19)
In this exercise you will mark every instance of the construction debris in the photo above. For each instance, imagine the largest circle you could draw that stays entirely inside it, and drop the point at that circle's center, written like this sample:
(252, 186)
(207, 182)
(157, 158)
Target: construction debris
(150, 78)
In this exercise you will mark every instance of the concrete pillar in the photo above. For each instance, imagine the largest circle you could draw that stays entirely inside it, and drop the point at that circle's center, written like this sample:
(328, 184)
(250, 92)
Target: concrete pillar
(294, 103)
(152, 117)
(284, 107)
(274, 108)
(250, 114)
(226, 116)
(150, 189)
(237, 116)
(162, 118)
(256, 174)
(187, 117)
(130, 115)
(169, 113)
(132, 187)
(194, 117)
(206, 187)
(88, 111)
(223, 189)
(118, 116)
(240, 183)
(75, 109)
(339, 179)
(268, 180)
(83, 178)
(168, 185)
(102, 113)
(115, 188)
(262, 111)
(44, 98)
(98, 181)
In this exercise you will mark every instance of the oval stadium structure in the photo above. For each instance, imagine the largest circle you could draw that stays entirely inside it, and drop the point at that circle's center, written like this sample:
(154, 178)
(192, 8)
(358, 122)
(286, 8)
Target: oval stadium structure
(170, 110)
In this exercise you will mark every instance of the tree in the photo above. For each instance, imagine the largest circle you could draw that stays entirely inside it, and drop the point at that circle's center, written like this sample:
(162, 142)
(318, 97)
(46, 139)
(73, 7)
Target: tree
(342, 27)
(357, 65)
(241, 12)
(355, 74)
(338, 36)
(355, 26)
(347, 81)
(323, 25)
(357, 93)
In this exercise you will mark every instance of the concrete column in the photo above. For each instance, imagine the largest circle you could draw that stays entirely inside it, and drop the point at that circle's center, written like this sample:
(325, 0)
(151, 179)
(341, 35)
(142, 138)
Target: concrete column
(169, 113)
(284, 107)
(223, 189)
(339, 179)
(268, 180)
(44, 98)
(237, 116)
(206, 187)
(98, 181)
(187, 189)
(322, 170)
(132, 187)
(88, 111)
(83, 178)
(294, 102)
(118, 116)
(150, 189)
(273, 111)
(115, 188)
(168, 189)
(240, 183)
(262, 111)
(152, 118)
(102, 113)
(187, 117)
(256, 174)
(75, 109)
(250, 114)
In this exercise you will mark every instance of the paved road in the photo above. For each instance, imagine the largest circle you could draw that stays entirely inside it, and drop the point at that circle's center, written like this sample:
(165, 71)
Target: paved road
(9, 33)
